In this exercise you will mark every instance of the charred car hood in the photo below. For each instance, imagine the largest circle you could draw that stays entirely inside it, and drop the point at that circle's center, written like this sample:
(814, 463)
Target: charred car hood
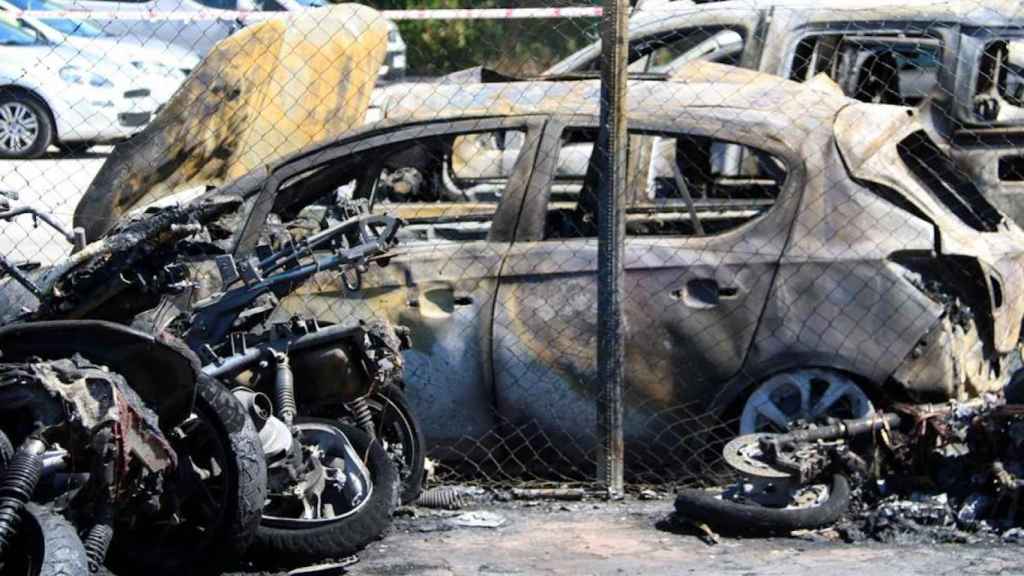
(868, 137)
(259, 95)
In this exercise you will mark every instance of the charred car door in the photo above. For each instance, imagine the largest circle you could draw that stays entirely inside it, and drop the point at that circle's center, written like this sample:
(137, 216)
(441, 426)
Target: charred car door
(701, 251)
(441, 280)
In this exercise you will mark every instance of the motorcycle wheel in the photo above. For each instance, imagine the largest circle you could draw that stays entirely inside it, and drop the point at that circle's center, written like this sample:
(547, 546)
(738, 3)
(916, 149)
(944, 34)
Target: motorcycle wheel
(46, 545)
(399, 431)
(295, 540)
(751, 518)
(221, 489)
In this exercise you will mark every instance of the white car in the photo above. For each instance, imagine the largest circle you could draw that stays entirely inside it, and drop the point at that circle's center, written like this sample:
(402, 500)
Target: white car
(162, 65)
(53, 94)
(200, 35)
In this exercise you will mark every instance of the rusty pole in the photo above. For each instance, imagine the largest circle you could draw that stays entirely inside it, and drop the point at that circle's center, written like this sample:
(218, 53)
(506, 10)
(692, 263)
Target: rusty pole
(611, 146)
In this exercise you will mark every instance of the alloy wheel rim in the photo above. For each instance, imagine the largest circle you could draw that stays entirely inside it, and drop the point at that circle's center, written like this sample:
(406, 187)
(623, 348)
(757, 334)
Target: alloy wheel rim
(19, 127)
(809, 395)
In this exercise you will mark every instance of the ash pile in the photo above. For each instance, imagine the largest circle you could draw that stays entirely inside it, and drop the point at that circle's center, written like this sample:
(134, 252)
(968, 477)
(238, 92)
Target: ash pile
(949, 472)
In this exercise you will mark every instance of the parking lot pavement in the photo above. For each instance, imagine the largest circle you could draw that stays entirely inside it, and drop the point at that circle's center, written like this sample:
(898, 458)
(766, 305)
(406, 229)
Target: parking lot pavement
(53, 183)
(622, 538)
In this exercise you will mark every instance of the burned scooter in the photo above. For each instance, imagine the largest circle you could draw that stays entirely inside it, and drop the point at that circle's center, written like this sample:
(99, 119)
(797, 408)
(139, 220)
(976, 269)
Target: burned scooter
(801, 479)
(331, 483)
(119, 437)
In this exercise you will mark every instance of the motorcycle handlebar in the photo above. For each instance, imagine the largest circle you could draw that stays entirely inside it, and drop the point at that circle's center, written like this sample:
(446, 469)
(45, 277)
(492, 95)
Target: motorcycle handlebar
(376, 235)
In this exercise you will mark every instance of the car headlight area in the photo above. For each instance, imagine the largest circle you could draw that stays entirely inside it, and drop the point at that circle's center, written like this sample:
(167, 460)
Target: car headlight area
(95, 108)
(81, 76)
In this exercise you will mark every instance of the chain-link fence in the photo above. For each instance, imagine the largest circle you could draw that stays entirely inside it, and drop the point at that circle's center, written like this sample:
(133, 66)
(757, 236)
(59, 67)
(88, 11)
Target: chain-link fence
(821, 203)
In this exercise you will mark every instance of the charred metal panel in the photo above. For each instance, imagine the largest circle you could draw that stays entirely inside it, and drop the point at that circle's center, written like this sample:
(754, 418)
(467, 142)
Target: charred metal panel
(443, 293)
(268, 90)
(836, 301)
(161, 369)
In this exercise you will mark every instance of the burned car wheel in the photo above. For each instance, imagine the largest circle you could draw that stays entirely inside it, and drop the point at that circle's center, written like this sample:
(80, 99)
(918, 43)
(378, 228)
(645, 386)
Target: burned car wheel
(809, 395)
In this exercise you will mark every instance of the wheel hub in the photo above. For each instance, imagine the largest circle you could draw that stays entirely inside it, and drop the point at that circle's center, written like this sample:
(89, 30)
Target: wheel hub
(19, 127)
(330, 483)
(803, 396)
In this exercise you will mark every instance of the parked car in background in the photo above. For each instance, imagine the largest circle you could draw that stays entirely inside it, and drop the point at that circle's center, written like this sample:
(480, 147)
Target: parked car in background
(963, 59)
(163, 68)
(60, 95)
(198, 36)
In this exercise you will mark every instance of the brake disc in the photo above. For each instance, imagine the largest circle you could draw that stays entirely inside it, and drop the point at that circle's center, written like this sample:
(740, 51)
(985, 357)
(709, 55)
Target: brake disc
(744, 454)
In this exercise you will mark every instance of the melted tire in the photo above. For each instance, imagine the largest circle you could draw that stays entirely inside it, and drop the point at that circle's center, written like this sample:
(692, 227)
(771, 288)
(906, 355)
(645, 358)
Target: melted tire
(226, 542)
(735, 517)
(277, 546)
(46, 545)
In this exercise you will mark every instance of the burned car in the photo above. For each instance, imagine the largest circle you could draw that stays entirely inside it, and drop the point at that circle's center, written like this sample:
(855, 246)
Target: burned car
(963, 59)
(851, 266)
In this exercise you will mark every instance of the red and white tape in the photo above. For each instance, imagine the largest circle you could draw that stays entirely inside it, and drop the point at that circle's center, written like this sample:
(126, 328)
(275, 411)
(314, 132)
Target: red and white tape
(452, 14)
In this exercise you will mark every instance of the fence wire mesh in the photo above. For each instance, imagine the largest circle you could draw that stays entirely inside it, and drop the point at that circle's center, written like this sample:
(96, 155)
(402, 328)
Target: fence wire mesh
(822, 200)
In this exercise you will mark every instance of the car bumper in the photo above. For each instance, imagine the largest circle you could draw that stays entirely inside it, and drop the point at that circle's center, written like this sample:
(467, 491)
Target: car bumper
(102, 115)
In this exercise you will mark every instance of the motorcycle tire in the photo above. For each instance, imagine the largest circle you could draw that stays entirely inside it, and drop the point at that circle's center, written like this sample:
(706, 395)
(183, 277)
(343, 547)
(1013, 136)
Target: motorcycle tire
(6, 451)
(736, 517)
(277, 545)
(396, 423)
(46, 545)
(223, 436)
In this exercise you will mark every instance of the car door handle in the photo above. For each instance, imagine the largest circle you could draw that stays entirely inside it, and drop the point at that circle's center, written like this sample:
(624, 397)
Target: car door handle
(703, 293)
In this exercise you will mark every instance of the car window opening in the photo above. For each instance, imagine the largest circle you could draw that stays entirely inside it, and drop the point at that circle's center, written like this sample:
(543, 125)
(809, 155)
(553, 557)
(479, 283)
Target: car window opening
(944, 180)
(677, 185)
(881, 68)
(447, 187)
(999, 86)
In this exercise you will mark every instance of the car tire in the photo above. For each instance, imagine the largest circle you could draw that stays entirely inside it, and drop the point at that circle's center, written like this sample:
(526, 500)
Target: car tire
(25, 112)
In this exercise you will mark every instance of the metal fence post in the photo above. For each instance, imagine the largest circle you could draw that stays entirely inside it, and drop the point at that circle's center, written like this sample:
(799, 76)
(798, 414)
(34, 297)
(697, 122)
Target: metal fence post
(611, 145)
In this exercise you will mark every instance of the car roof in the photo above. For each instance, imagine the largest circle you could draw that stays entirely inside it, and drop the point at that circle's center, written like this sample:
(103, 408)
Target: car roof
(965, 11)
(699, 85)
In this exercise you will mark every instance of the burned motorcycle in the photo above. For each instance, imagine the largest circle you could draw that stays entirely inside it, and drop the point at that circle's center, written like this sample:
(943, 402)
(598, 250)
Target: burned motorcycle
(800, 479)
(332, 486)
(118, 432)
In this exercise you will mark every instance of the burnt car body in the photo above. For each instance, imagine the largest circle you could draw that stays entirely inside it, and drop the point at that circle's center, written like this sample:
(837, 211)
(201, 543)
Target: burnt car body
(959, 57)
(834, 252)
